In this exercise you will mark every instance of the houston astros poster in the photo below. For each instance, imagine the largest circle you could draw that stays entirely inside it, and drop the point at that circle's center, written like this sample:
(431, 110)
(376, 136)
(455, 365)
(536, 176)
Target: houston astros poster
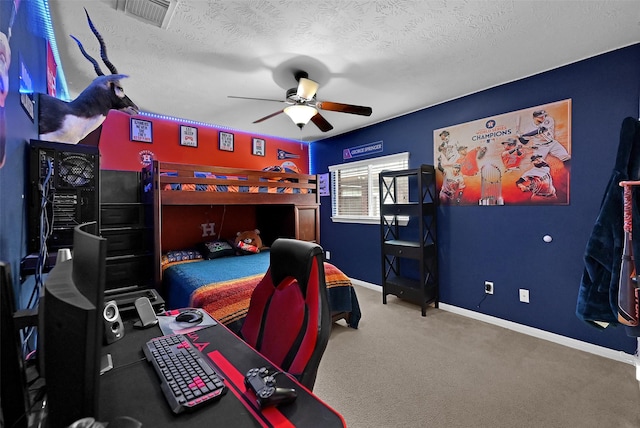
(517, 158)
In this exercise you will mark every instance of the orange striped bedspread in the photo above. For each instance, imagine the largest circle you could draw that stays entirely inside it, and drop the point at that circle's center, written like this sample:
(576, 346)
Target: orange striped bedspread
(228, 301)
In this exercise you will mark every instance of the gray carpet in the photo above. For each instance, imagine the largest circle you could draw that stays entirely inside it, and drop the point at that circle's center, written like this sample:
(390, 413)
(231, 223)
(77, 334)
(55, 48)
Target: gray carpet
(400, 369)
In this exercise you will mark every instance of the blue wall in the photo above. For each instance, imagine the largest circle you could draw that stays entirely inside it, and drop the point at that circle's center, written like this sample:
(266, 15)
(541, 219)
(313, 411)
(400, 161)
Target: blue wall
(504, 244)
(28, 50)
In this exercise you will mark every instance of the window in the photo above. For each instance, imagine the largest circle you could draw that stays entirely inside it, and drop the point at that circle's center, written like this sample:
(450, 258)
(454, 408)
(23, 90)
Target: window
(355, 196)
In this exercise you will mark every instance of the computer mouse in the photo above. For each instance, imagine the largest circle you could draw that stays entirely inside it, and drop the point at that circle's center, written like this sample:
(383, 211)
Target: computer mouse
(190, 316)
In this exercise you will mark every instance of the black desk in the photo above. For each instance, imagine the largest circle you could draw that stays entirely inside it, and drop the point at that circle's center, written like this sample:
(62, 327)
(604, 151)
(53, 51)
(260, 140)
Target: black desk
(132, 387)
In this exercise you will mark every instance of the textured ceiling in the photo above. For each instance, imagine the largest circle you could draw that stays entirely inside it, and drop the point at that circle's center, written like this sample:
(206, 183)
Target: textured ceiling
(395, 56)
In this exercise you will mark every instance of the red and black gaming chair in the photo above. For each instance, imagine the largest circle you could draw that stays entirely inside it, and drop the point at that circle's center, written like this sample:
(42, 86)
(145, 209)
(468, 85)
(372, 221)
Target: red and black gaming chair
(288, 320)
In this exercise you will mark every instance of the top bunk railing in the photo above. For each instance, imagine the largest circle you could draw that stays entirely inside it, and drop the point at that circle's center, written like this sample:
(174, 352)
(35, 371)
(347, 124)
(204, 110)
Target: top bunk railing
(183, 184)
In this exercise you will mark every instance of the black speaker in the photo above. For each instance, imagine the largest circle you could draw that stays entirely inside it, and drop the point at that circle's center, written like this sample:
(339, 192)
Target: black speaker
(64, 189)
(113, 326)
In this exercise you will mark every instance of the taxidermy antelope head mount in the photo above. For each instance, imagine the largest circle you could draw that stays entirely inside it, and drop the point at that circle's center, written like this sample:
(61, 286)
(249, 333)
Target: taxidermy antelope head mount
(70, 122)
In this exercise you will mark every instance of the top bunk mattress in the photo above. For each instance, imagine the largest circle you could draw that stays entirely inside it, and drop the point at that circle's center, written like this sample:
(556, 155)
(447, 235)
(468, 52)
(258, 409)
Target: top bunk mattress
(201, 178)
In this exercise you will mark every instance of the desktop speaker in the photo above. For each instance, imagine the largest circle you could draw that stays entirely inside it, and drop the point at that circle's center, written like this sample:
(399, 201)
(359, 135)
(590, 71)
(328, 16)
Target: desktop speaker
(113, 326)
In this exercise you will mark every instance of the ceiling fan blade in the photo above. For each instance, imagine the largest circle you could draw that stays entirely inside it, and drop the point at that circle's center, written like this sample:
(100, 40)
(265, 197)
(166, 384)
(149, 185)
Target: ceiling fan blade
(344, 108)
(259, 99)
(269, 116)
(307, 88)
(321, 122)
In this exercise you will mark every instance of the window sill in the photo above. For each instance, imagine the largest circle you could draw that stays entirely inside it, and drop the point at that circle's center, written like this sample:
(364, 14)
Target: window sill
(402, 220)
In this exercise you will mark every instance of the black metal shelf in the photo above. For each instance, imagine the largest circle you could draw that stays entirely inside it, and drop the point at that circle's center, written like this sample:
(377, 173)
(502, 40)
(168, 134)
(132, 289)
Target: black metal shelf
(413, 196)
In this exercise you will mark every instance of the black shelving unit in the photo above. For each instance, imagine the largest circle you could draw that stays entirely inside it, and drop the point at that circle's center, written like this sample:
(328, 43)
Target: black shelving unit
(409, 253)
(129, 240)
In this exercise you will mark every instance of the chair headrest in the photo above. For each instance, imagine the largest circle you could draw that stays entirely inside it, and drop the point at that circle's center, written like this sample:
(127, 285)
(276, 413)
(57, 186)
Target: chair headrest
(292, 257)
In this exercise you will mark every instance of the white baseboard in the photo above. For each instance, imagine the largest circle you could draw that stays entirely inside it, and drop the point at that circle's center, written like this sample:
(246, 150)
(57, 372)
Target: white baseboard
(370, 286)
(520, 328)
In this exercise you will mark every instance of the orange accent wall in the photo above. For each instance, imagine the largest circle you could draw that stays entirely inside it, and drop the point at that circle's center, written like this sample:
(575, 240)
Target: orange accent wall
(181, 225)
(118, 152)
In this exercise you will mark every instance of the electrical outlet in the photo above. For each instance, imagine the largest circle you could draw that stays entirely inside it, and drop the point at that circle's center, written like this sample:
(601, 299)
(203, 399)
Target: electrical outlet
(524, 295)
(488, 287)
(327, 255)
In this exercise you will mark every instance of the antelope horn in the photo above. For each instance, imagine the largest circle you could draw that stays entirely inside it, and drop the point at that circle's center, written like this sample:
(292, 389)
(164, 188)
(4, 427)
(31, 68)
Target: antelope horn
(96, 66)
(103, 47)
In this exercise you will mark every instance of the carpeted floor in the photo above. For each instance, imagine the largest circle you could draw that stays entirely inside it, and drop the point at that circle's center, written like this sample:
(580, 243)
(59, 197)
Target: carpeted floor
(399, 369)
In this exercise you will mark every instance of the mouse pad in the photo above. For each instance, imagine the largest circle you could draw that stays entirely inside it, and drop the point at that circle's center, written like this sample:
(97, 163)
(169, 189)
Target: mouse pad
(169, 325)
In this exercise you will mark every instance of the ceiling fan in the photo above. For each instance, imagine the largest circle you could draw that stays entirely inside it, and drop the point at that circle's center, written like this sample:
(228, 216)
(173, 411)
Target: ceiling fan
(303, 105)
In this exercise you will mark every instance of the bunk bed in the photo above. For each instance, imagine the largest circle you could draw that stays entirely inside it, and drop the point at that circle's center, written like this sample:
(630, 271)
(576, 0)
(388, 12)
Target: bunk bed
(279, 201)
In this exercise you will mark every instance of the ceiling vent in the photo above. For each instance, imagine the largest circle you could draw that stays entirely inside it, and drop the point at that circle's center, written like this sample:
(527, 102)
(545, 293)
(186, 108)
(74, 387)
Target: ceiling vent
(154, 12)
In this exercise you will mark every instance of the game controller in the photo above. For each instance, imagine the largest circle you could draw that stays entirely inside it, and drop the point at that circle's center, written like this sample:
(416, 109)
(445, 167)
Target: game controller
(263, 383)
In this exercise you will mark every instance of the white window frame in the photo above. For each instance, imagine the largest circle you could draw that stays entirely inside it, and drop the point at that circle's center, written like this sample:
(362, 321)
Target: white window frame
(369, 163)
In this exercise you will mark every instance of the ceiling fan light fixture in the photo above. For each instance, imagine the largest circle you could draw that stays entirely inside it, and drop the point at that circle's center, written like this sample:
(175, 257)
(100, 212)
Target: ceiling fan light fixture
(300, 114)
(307, 88)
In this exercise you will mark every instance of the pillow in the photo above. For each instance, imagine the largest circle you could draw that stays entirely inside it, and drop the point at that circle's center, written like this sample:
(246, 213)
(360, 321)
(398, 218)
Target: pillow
(180, 255)
(215, 249)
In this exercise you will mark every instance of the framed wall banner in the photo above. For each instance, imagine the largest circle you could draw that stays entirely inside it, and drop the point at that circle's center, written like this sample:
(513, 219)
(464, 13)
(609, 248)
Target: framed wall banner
(141, 130)
(188, 136)
(258, 147)
(225, 141)
(323, 185)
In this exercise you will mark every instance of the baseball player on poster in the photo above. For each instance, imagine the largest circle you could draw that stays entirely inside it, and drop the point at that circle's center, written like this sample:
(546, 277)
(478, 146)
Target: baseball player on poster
(542, 137)
(452, 184)
(512, 154)
(537, 180)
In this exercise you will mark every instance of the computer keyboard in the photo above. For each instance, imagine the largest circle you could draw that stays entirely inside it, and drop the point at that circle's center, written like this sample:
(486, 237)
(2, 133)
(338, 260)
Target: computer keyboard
(187, 380)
